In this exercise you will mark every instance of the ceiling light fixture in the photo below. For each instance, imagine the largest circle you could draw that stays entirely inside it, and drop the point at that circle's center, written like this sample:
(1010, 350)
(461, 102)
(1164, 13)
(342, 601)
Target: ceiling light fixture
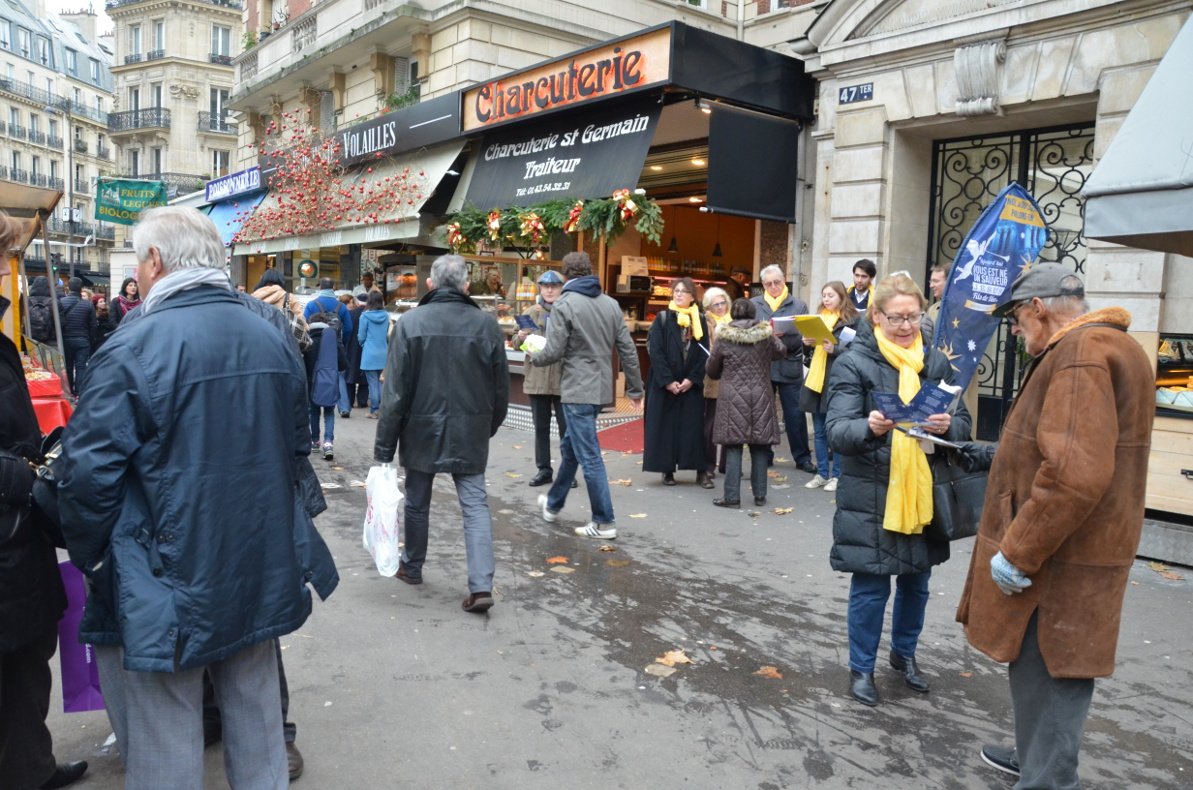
(656, 168)
(698, 161)
(694, 199)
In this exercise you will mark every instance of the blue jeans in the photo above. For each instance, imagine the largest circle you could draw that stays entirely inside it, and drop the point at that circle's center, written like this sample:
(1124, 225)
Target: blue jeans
(329, 423)
(794, 421)
(478, 526)
(868, 593)
(373, 377)
(580, 447)
(823, 454)
(76, 353)
(344, 404)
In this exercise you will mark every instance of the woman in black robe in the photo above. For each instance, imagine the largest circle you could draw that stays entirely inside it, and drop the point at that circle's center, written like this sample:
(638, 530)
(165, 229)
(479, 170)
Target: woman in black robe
(678, 346)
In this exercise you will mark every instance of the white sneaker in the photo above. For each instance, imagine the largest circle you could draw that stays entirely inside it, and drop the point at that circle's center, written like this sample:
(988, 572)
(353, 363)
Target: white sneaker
(594, 530)
(831, 485)
(816, 482)
(328, 452)
(548, 516)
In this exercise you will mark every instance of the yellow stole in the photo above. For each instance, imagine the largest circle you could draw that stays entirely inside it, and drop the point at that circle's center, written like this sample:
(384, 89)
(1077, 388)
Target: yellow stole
(688, 317)
(909, 494)
(815, 378)
(774, 302)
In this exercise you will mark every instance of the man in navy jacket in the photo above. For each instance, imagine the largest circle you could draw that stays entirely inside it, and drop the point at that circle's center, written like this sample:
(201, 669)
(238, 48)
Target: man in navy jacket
(179, 500)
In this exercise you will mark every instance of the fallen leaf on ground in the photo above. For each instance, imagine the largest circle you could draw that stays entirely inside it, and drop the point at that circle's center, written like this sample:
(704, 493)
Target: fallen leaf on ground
(637, 515)
(769, 672)
(782, 511)
(753, 513)
(966, 674)
(781, 460)
(626, 482)
(778, 478)
(338, 468)
(513, 475)
(617, 563)
(563, 569)
(673, 657)
(517, 447)
(357, 483)
(535, 574)
(660, 671)
(1134, 584)
(1171, 576)
(713, 647)
(330, 485)
(1157, 566)
(607, 547)
(560, 560)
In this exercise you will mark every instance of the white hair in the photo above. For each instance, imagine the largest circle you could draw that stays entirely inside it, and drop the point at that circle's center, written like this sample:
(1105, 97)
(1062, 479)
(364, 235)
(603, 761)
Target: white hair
(449, 271)
(185, 238)
(712, 293)
(773, 269)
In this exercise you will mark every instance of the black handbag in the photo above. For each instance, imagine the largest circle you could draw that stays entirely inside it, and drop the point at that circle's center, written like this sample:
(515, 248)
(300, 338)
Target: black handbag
(45, 488)
(957, 498)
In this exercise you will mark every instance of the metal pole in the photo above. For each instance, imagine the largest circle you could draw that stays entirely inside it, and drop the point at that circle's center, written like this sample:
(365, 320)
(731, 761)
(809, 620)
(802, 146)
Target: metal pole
(70, 183)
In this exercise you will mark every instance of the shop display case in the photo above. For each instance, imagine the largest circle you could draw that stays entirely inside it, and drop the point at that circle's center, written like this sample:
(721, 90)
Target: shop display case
(1170, 465)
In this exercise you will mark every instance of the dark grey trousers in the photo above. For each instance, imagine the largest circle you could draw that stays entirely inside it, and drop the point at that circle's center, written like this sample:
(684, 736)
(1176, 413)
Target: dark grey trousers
(1049, 719)
(758, 466)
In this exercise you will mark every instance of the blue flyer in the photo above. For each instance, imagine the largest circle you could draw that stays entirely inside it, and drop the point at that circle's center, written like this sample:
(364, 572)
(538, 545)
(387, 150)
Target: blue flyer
(931, 399)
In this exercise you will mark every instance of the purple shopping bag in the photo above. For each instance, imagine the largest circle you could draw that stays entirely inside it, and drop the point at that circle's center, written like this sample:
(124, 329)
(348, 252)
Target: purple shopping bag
(80, 675)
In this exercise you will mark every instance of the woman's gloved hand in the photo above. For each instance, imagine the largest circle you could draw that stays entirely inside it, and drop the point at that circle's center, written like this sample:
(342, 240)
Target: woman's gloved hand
(974, 456)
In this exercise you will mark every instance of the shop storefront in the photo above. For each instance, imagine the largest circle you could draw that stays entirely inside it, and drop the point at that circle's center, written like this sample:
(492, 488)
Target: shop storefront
(707, 126)
(924, 118)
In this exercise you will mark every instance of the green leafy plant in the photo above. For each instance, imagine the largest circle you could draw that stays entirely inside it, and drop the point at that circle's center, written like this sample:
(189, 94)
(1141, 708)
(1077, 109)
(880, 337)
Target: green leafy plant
(249, 40)
(396, 101)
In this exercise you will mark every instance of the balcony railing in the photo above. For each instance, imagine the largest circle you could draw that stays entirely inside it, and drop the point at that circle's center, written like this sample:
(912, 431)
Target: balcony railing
(232, 4)
(248, 67)
(19, 132)
(103, 152)
(131, 120)
(39, 180)
(66, 228)
(81, 186)
(81, 146)
(20, 176)
(211, 122)
(37, 137)
(54, 142)
(155, 54)
(304, 33)
(133, 58)
(55, 183)
(223, 60)
(45, 98)
(176, 183)
(106, 232)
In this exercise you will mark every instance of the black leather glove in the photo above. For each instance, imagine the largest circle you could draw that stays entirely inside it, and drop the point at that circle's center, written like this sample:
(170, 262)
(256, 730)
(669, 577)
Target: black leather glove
(975, 456)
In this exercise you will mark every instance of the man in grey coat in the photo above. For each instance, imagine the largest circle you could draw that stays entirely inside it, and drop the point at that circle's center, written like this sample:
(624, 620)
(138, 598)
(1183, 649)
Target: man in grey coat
(585, 326)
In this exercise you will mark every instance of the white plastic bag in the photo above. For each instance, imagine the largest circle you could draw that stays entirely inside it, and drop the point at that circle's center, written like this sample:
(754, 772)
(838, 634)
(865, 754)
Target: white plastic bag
(383, 518)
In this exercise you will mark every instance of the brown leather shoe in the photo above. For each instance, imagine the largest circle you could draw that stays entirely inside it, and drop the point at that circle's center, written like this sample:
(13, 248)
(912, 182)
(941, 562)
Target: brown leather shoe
(404, 575)
(478, 602)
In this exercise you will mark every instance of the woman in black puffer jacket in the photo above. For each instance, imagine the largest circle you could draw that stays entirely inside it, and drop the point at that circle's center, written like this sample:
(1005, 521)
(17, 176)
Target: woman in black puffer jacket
(31, 595)
(884, 498)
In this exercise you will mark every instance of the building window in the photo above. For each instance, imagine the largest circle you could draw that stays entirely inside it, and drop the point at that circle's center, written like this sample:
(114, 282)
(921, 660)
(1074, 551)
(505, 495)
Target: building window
(159, 34)
(53, 168)
(16, 160)
(156, 153)
(221, 162)
(14, 116)
(50, 85)
(134, 163)
(5, 34)
(77, 95)
(53, 130)
(134, 39)
(79, 132)
(72, 62)
(35, 168)
(34, 123)
(219, 103)
(155, 91)
(95, 71)
(99, 104)
(134, 99)
(23, 42)
(221, 40)
(80, 173)
(43, 51)
(10, 71)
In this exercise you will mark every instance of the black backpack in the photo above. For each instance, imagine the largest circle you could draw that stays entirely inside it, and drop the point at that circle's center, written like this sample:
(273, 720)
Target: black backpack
(329, 317)
(41, 319)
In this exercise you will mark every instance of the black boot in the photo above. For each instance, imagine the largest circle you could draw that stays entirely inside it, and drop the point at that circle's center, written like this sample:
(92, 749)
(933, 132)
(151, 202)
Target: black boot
(911, 672)
(668, 478)
(703, 480)
(543, 477)
(65, 774)
(862, 688)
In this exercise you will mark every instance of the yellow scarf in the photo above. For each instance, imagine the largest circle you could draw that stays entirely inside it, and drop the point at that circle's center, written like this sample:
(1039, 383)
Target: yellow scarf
(815, 378)
(718, 320)
(909, 494)
(688, 317)
(774, 302)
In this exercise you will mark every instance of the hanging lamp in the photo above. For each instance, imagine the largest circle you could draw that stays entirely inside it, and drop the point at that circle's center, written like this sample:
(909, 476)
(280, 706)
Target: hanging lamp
(674, 245)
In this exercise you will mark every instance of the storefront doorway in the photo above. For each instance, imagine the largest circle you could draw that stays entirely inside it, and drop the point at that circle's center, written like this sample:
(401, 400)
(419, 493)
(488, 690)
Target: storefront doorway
(967, 175)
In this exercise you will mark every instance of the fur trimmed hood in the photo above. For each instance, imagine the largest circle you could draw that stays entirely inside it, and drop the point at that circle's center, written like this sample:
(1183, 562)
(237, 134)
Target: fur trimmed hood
(745, 332)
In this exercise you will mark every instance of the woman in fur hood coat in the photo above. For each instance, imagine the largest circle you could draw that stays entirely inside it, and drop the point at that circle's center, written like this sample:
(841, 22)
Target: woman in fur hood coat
(741, 358)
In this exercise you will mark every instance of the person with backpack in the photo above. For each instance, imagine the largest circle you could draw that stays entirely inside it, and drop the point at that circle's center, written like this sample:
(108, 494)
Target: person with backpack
(324, 361)
(373, 342)
(326, 308)
(41, 311)
(78, 328)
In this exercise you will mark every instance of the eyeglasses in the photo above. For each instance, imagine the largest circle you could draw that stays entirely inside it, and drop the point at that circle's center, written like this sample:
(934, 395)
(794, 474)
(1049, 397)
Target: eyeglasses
(719, 304)
(1013, 315)
(769, 283)
(900, 320)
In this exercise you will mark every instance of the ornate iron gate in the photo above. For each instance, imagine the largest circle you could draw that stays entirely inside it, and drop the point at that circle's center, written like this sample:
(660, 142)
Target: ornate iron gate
(967, 174)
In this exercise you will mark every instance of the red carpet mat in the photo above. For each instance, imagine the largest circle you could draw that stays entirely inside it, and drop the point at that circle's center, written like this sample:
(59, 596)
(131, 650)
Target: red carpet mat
(624, 438)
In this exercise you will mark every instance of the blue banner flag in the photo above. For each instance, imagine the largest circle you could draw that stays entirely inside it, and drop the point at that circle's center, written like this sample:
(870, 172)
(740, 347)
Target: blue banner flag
(1006, 238)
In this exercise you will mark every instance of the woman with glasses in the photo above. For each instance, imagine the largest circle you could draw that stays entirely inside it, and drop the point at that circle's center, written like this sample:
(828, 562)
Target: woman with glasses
(716, 313)
(678, 345)
(884, 499)
(838, 313)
